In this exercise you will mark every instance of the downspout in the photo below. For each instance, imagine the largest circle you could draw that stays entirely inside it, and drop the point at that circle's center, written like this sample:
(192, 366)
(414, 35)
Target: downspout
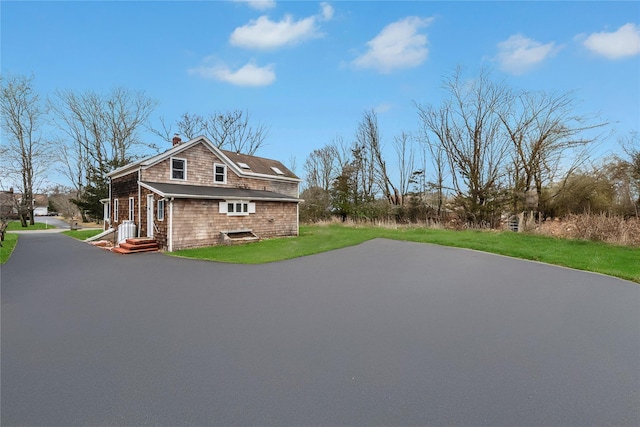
(298, 211)
(110, 206)
(170, 236)
(139, 210)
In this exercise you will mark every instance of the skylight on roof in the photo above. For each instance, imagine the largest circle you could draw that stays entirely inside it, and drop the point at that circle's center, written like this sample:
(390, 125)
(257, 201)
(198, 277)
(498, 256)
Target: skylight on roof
(276, 170)
(243, 165)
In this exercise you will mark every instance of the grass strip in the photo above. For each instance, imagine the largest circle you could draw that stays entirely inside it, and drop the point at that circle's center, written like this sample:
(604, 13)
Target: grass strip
(82, 234)
(8, 245)
(17, 226)
(618, 261)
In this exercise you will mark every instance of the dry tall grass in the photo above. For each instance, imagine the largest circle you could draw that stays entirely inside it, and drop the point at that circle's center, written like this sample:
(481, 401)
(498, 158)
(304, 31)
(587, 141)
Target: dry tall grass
(610, 229)
(388, 223)
(604, 228)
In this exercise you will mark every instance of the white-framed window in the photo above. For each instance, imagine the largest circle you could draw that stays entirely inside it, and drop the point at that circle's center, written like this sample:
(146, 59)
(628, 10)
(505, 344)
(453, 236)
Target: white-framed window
(237, 207)
(107, 211)
(277, 170)
(219, 173)
(132, 204)
(178, 169)
(160, 210)
(115, 210)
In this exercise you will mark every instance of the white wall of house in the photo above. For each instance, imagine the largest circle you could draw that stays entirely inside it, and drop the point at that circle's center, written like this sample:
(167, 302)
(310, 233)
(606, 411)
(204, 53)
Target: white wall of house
(41, 211)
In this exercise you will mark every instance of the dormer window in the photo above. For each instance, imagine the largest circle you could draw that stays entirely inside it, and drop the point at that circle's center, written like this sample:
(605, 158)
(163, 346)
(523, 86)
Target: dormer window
(219, 173)
(178, 169)
(276, 170)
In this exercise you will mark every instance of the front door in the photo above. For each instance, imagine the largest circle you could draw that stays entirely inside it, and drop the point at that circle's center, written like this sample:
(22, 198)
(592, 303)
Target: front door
(150, 215)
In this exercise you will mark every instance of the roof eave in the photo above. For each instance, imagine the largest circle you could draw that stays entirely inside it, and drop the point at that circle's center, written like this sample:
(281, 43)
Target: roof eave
(205, 197)
(169, 195)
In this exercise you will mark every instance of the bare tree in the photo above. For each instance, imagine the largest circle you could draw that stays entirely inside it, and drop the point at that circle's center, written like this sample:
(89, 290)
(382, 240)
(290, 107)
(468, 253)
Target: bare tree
(232, 131)
(438, 160)
(191, 125)
(372, 167)
(321, 167)
(125, 113)
(468, 129)
(25, 155)
(293, 163)
(625, 171)
(102, 128)
(543, 129)
(97, 134)
(405, 152)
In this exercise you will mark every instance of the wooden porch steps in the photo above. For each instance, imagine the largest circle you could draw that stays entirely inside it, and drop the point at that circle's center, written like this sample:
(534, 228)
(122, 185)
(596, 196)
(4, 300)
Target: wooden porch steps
(137, 245)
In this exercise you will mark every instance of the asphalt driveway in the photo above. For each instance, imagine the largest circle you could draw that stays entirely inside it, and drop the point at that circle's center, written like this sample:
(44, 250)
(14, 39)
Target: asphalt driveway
(384, 333)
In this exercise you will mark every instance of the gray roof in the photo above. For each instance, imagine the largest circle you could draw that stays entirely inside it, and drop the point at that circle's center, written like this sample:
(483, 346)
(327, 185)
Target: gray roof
(257, 166)
(180, 191)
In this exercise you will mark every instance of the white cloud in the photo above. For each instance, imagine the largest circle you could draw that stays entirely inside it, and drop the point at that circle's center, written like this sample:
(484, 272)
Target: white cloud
(326, 11)
(383, 108)
(518, 54)
(263, 33)
(397, 46)
(248, 75)
(619, 44)
(259, 4)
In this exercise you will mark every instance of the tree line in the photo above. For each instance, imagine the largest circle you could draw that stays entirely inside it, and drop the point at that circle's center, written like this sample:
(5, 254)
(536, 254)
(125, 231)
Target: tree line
(91, 134)
(484, 152)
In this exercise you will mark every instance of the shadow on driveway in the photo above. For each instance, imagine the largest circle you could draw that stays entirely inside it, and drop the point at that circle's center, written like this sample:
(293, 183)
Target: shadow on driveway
(383, 333)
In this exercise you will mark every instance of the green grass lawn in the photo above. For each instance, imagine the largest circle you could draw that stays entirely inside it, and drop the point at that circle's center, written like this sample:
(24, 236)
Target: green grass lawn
(619, 261)
(82, 234)
(10, 241)
(16, 226)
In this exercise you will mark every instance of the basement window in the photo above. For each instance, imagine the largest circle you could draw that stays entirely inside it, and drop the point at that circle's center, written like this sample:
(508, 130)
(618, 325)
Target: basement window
(237, 207)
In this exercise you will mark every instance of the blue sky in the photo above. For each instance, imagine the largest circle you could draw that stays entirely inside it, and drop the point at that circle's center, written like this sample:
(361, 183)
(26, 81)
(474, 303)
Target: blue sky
(308, 70)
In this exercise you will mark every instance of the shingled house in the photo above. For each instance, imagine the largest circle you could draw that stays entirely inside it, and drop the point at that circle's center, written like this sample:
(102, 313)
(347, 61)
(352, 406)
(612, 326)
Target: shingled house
(196, 194)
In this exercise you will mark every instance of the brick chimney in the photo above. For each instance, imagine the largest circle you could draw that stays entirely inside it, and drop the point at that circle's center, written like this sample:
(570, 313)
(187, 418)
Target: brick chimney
(176, 140)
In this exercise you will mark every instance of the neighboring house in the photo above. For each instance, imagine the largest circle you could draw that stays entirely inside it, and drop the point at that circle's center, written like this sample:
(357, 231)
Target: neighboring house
(8, 204)
(40, 205)
(10, 201)
(196, 194)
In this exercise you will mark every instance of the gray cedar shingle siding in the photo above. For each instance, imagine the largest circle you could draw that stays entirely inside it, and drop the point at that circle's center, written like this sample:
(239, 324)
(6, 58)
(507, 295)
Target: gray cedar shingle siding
(198, 222)
(196, 218)
(122, 188)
